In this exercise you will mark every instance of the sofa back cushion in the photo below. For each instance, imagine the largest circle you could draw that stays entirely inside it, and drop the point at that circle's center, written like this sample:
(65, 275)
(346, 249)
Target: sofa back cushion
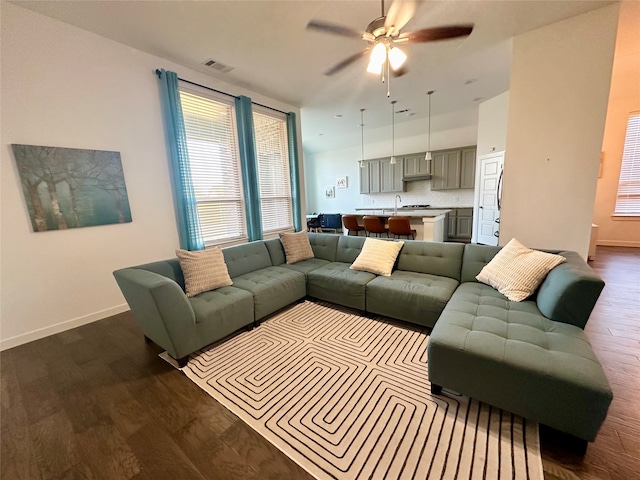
(435, 258)
(247, 257)
(324, 245)
(276, 251)
(167, 268)
(349, 248)
(474, 259)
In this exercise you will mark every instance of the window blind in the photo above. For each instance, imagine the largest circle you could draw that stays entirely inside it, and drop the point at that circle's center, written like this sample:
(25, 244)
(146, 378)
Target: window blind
(628, 199)
(273, 171)
(215, 168)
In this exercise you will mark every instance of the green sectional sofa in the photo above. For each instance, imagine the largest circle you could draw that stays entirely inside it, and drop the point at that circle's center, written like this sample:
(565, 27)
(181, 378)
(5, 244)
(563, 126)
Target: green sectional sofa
(531, 357)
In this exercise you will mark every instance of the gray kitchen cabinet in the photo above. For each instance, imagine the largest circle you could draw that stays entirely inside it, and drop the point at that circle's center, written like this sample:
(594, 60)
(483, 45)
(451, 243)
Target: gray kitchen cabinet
(379, 176)
(468, 168)
(365, 187)
(374, 176)
(391, 179)
(464, 223)
(460, 224)
(454, 169)
(416, 167)
(451, 226)
(446, 170)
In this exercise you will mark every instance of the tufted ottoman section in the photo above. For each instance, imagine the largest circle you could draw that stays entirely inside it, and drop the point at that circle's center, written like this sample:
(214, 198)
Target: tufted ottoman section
(272, 288)
(509, 355)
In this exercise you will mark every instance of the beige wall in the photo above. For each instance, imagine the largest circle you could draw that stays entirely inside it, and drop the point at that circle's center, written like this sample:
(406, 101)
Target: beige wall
(492, 124)
(624, 98)
(557, 105)
(65, 87)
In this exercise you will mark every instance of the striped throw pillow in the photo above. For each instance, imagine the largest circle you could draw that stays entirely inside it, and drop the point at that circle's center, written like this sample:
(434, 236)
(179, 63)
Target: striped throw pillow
(377, 256)
(296, 246)
(203, 270)
(516, 271)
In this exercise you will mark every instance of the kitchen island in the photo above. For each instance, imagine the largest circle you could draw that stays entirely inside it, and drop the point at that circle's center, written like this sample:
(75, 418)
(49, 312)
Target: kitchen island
(429, 224)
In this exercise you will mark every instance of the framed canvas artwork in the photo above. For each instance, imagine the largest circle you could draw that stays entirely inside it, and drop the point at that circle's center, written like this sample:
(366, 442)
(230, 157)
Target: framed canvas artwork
(70, 188)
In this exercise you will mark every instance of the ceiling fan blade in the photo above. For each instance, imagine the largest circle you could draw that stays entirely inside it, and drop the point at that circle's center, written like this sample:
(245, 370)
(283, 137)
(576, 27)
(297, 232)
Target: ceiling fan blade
(400, 12)
(436, 33)
(400, 72)
(332, 28)
(346, 62)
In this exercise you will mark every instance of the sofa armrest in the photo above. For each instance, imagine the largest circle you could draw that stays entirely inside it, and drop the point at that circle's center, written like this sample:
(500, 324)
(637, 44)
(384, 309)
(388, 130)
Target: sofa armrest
(570, 291)
(159, 305)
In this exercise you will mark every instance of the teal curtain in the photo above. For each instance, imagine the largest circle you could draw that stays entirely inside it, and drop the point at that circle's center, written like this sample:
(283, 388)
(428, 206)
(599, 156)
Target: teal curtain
(249, 163)
(183, 192)
(292, 139)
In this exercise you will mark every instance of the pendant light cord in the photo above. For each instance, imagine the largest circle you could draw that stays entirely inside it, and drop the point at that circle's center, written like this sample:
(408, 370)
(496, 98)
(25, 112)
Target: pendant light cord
(429, 139)
(362, 134)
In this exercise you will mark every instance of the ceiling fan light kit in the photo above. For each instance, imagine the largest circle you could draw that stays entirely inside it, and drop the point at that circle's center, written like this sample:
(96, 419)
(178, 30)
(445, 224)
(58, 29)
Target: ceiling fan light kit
(384, 33)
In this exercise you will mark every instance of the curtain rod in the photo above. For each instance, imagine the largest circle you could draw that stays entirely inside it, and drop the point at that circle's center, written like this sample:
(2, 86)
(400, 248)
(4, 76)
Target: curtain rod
(158, 72)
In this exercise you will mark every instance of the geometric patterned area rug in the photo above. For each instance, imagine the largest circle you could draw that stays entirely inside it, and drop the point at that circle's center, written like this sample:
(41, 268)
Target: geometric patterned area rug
(348, 397)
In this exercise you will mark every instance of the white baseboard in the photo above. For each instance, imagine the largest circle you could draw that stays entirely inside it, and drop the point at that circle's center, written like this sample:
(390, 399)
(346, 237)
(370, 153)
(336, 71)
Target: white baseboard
(619, 243)
(60, 327)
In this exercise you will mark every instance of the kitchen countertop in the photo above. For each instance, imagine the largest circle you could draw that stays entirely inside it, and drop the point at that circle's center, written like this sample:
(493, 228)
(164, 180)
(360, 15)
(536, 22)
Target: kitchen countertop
(408, 209)
(431, 212)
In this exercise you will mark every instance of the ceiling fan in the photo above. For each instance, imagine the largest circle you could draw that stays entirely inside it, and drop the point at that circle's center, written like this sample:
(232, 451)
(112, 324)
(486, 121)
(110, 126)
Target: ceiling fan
(384, 34)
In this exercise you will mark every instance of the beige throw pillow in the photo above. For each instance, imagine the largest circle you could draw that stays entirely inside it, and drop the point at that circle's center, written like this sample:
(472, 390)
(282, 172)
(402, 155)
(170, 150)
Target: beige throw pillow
(516, 271)
(203, 270)
(296, 246)
(377, 256)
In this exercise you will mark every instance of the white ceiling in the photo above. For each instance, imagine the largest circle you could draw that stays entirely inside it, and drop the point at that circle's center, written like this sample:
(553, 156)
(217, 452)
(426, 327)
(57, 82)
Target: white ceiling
(272, 53)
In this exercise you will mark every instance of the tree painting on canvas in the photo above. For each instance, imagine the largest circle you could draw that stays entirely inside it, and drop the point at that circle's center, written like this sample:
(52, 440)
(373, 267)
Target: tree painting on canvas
(70, 188)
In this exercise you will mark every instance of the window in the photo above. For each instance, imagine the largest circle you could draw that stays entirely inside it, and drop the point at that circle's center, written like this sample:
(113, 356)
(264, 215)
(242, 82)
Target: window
(215, 167)
(273, 171)
(628, 200)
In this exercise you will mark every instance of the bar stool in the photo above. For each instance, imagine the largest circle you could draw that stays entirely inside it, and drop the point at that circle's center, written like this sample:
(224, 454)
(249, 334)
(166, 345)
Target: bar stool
(400, 226)
(373, 224)
(351, 224)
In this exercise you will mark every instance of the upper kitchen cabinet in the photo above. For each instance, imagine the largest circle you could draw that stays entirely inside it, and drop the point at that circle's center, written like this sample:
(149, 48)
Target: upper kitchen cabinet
(391, 176)
(416, 167)
(379, 176)
(365, 185)
(454, 169)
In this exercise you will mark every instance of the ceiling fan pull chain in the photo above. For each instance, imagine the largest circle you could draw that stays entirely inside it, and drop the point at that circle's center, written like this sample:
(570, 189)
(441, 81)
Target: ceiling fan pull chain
(388, 81)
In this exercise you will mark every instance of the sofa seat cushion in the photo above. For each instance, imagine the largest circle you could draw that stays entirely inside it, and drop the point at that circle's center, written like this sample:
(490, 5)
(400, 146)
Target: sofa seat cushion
(509, 355)
(414, 297)
(272, 288)
(337, 283)
(306, 266)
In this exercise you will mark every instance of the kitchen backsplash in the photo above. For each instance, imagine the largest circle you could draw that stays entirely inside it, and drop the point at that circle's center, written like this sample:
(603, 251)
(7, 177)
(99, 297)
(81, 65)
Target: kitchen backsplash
(420, 193)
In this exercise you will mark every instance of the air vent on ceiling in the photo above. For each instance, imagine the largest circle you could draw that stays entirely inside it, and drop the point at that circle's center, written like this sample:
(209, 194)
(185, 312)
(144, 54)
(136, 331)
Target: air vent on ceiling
(220, 67)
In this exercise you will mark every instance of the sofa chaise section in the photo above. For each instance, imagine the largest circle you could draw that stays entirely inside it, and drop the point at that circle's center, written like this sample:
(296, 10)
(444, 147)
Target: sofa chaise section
(511, 355)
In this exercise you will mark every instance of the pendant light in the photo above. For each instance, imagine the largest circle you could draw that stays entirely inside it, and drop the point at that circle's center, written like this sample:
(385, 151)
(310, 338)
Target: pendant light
(393, 133)
(361, 162)
(427, 157)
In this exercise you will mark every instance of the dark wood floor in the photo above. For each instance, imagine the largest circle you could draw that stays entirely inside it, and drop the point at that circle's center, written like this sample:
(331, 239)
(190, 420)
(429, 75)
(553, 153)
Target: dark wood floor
(97, 402)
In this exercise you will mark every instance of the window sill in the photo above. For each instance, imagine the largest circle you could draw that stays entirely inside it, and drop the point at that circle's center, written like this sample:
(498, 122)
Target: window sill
(625, 218)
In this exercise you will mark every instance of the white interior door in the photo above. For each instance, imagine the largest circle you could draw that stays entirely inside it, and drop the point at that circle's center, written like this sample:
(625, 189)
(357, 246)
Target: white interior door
(489, 198)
